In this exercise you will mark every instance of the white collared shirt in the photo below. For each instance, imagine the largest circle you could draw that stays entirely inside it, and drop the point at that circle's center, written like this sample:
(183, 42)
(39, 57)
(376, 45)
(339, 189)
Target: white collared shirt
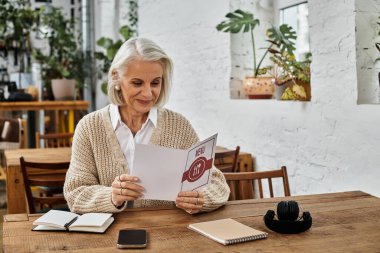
(125, 137)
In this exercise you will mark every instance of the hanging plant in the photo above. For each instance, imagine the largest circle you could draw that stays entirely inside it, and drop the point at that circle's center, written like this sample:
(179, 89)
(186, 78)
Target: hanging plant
(377, 44)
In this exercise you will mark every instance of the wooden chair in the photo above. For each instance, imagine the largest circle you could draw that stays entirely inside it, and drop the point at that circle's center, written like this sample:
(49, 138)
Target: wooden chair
(54, 140)
(49, 175)
(242, 183)
(227, 161)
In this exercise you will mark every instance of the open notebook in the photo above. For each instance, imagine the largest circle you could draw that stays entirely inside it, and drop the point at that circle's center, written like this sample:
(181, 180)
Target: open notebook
(227, 231)
(56, 220)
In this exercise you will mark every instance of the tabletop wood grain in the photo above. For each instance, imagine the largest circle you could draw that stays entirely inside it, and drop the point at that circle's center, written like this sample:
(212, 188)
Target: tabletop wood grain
(342, 222)
(44, 105)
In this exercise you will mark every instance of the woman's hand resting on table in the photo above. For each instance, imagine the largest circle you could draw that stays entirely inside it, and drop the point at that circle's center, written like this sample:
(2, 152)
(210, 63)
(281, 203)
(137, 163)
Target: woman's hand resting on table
(190, 201)
(125, 188)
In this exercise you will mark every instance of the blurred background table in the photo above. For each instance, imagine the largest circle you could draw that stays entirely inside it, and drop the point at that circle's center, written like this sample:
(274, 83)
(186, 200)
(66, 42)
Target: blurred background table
(32, 106)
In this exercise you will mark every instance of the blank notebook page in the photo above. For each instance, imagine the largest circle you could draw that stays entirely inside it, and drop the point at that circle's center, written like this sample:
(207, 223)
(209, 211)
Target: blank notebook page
(227, 231)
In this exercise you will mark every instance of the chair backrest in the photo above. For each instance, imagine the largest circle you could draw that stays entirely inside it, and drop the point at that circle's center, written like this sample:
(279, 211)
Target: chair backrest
(54, 140)
(227, 161)
(45, 175)
(242, 183)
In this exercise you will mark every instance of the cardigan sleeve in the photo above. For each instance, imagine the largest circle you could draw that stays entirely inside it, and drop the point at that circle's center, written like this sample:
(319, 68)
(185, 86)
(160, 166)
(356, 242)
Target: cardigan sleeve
(82, 190)
(216, 193)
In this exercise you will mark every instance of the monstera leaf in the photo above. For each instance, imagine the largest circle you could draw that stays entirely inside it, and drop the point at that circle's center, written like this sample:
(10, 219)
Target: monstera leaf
(238, 20)
(284, 37)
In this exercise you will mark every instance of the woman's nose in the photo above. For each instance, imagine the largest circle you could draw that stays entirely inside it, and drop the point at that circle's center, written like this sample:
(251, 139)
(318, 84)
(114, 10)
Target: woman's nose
(147, 91)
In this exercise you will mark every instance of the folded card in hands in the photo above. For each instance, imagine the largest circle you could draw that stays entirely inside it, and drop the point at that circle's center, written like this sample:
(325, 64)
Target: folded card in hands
(164, 172)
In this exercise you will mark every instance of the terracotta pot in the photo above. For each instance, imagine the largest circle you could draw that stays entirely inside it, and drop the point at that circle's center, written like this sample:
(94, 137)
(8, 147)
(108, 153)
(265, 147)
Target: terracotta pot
(307, 87)
(63, 89)
(258, 87)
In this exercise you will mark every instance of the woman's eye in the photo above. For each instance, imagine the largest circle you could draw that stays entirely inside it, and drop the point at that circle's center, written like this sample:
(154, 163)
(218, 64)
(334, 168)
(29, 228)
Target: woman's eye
(136, 83)
(156, 83)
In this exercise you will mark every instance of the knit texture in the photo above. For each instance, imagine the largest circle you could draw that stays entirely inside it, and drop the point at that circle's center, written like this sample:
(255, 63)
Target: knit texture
(97, 159)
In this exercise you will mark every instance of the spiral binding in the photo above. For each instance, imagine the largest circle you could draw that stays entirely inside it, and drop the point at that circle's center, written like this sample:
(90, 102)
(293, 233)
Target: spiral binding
(247, 238)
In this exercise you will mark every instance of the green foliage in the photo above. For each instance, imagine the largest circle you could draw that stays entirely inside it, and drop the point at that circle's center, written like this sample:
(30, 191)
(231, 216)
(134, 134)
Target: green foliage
(377, 44)
(111, 47)
(294, 92)
(64, 57)
(17, 20)
(133, 14)
(241, 21)
(283, 37)
(280, 40)
(293, 69)
(237, 21)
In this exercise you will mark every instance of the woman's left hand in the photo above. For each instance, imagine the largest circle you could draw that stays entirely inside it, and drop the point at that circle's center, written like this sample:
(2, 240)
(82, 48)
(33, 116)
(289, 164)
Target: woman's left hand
(190, 201)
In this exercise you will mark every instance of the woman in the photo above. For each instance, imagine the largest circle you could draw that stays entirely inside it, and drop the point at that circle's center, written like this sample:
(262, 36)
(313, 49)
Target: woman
(100, 175)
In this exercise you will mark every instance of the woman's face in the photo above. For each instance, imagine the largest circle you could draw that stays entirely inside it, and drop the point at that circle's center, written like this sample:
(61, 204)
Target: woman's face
(141, 85)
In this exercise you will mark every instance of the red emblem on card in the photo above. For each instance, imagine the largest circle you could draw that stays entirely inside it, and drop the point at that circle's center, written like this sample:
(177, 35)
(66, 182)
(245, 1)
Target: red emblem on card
(197, 169)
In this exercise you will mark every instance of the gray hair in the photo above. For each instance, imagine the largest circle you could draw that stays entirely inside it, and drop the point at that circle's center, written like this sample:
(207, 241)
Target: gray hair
(139, 48)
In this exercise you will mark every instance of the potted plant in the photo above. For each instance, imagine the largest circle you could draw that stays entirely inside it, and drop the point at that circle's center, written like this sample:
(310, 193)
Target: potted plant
(283, 37)
(62, 63)
(111, 47)
(17, 20)
(293, 82)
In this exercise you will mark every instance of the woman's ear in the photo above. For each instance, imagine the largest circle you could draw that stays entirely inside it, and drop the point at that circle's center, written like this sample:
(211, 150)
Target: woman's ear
(114, 75)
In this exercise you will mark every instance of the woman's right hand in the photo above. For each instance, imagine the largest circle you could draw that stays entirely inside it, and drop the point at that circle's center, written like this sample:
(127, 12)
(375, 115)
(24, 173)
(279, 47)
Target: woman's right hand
(125, 188)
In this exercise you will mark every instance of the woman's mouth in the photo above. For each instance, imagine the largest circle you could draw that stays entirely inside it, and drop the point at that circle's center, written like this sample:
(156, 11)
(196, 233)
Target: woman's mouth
(144, 102)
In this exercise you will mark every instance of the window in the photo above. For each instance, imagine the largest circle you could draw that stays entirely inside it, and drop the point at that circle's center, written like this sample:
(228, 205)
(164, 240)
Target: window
(297, 17)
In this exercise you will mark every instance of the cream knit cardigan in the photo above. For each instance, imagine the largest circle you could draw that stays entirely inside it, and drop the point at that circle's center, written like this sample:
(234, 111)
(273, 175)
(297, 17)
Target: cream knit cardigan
(97, 159)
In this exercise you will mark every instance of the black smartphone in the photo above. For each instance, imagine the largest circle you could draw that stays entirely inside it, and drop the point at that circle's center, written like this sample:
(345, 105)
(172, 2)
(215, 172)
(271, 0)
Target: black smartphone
(132, 238)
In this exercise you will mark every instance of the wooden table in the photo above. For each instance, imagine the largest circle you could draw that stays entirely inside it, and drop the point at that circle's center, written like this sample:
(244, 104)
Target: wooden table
(32, 106)
(16, 202)
(342, 222)
(44, 105)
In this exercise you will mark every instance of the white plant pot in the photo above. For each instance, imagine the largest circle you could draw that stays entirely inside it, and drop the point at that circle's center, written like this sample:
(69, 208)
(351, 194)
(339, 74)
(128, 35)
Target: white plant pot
(279, 90)
(63, 89)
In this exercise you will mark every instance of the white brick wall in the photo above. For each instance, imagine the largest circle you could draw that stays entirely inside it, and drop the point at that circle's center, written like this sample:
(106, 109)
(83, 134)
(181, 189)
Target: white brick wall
(367, 29)
(329, 144)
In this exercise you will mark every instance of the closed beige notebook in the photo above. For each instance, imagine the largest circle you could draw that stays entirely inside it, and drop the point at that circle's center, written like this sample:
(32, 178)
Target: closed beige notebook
(227, 231)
